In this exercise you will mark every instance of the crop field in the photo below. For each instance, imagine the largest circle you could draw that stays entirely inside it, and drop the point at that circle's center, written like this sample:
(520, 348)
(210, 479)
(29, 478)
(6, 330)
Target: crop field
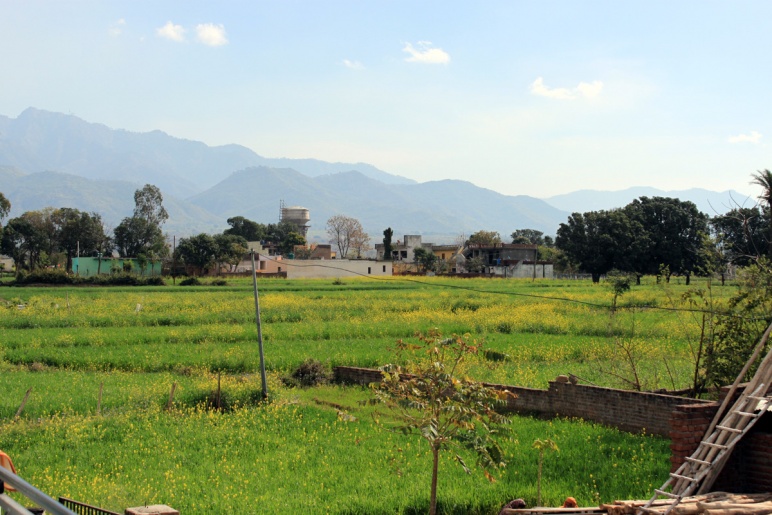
(317, 450)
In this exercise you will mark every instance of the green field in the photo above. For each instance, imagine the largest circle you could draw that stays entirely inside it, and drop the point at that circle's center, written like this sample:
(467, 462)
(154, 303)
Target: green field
(297, 452)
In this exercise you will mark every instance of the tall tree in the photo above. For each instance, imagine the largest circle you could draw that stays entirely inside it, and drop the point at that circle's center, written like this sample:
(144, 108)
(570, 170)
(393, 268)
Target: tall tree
(148, 205)
(388, 234)
(741, 234)
(142, 233)
(5, 207)
(79, 231)
(347, 234)
(764, 179)
(247, 229)
(600, 241)
(675, 231)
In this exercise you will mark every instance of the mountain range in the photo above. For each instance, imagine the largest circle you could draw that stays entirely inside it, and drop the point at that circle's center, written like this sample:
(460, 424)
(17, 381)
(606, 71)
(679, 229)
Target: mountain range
(59, 160)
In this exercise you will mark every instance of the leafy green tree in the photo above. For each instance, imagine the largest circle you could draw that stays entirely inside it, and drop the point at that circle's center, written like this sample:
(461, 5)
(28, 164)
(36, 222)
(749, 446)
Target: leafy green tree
(764, 179)
(424, 258)
(600, 241)
(148, 205)
(24, 241)
(528, 236)
(675, 231)
(739, 328)
(429, 396)
(641, 237)
(484, 238)
(247, 229)
(134, 236)
(198, 251)
(741, 234)
(142, 233)
(5, 208)
(79, 231)
(388, 234)
(230, 249)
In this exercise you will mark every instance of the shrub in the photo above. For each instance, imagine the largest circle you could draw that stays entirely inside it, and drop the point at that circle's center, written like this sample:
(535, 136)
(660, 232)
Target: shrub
(310, 373)
(190, 281)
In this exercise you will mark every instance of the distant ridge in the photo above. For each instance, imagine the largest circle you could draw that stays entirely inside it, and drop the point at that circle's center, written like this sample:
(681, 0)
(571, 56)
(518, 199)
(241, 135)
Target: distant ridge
(709, 202)
(57, 160)
(40, 140)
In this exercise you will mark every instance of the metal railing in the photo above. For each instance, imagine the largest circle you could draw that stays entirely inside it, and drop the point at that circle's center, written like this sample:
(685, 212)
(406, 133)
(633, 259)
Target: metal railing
(12, 507)
(85, 509)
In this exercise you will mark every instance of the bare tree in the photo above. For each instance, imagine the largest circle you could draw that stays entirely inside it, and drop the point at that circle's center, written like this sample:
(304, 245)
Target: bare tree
(347, 234)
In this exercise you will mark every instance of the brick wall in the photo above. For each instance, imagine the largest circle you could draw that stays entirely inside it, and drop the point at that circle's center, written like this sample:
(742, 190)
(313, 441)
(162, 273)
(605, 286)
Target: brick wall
(687, 427)
(685, 421)
(626, 410)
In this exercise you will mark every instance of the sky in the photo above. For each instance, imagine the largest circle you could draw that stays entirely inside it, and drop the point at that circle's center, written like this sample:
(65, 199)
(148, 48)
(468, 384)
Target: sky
(522, 97)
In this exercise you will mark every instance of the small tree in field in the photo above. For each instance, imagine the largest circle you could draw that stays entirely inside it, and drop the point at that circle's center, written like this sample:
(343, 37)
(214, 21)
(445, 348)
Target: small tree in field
(428, 396)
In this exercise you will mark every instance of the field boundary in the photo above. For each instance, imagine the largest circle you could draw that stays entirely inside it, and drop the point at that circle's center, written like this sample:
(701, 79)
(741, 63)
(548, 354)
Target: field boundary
(634, 412)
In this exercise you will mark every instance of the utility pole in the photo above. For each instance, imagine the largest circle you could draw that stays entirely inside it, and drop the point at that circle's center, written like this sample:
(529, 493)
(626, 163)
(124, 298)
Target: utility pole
(259, 327)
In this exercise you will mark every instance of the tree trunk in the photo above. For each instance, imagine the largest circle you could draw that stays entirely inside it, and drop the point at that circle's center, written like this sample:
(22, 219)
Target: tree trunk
(595, 277)
(688, 279)
(435, 463)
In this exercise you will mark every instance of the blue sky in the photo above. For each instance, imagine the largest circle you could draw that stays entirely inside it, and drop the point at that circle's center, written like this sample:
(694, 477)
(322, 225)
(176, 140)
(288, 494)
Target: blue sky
(536, 98)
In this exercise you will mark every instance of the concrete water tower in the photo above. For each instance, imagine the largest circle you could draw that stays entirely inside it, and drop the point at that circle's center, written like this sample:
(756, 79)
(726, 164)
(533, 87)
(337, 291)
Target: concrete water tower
(296, 215)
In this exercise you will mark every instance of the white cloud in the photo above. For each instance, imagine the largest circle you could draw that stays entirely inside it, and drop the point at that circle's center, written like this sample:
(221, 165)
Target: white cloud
(754, 137)
(172, 32)
(584, 89)
(354, 65)
(211, 34)
(116, 29)
(425, 53)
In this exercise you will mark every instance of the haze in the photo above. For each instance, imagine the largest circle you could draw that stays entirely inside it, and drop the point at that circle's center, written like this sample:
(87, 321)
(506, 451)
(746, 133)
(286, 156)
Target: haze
(534, 98)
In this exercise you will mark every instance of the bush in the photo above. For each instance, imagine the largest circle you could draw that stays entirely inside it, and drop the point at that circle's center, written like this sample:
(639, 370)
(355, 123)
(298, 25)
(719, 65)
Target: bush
(219, 282)
(58, 276)
(190, 281)
(310, 373)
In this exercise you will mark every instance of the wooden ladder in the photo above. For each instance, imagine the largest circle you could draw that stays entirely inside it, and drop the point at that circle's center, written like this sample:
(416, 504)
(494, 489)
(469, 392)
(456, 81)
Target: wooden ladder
(703, 467)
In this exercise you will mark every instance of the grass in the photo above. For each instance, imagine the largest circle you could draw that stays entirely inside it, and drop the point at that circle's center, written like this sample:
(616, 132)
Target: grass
(297, 453)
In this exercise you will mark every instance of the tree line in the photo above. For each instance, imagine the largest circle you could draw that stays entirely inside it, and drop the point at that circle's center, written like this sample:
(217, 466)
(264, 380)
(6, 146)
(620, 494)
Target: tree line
(651, 235)
(42, 238)
(664, 236)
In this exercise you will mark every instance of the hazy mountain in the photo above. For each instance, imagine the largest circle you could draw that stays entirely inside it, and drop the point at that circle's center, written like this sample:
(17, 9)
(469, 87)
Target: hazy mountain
(38, 141)
(439, 208)
(113, 200)
(709, 202)
(50, 159)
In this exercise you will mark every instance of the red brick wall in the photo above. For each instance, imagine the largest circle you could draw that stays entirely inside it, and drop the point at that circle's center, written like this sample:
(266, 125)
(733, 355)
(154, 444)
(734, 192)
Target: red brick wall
(629, 411)
(685, 421)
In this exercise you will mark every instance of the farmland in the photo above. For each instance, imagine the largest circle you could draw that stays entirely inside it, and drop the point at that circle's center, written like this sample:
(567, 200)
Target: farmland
(297, 452)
